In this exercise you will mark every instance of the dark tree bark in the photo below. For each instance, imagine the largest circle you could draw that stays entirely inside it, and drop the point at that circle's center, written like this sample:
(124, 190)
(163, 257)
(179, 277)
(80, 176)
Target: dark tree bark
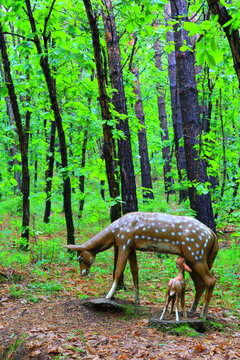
(128, 183)
(142, 141)
(142, 135)
(176, 112)
(196, 168)
(82, 177)
(109, 145)
(232, 34)
(166, 153)
(22, 140)
(49, 173)
(44, 63)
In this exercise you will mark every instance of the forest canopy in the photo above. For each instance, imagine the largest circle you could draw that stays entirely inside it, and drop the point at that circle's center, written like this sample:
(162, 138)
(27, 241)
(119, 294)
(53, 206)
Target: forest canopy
(120, 106)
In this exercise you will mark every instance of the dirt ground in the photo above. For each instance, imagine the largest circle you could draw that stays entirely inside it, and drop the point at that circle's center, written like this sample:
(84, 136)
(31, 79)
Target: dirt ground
(65, 329)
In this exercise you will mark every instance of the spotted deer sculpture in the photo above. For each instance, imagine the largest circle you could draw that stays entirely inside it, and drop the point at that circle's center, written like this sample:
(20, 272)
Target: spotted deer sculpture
(176, 290)
(162, 233)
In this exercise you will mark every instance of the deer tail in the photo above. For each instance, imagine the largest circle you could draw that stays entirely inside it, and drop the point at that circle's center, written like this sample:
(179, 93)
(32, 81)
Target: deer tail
(212, 255)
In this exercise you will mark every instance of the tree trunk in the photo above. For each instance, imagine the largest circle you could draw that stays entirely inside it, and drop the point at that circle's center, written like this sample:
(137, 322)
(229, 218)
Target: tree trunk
(168, 179)
(55, 107)
(82, 177)
(49, 173)
(128, 183)
(196, 168)
(176, 112)
(22, 141)
(232, 34)
(109, 145)
(142, 137)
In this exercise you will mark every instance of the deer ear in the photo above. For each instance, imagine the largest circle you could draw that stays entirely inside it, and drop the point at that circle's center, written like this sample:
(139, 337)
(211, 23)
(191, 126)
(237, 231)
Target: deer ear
(73, 247)
(187, 268)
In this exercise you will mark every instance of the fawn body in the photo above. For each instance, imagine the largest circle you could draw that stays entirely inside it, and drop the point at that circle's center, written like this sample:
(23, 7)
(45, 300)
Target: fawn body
(176, 290)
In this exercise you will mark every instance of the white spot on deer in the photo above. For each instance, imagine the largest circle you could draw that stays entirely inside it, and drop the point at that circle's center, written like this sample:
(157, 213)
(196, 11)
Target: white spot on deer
(187, 238)
(173, 233)
(149, 237)
(122, 236)
(192, 239)
(197, 252)
(179, 233)
(166, 240)
(178, 242)
(180, 226)
(189, 248)
(128, 242)
(194, 231)
(173, 242)
(200, 237)
(192, 253)
(183, 242)
(173, 225)
(156, 230)
(136, 236)
(196, 258)
(124, 247)
(143, 236)
(155, 239)
(197, 245)
(164, 230)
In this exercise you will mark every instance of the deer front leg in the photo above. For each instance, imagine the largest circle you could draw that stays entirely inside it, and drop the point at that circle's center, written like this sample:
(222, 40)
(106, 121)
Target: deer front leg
(134, 270)
(123, 254)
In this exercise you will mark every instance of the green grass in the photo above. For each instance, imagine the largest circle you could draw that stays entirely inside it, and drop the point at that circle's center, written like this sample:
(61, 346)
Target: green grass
(48, 270)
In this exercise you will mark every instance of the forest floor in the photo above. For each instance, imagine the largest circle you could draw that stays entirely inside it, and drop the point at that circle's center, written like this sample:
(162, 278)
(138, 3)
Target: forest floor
(64, 329)
(58, 326)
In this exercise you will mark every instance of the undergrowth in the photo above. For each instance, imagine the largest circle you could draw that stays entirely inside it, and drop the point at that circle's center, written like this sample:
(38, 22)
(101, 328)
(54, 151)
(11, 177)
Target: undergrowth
(48, 270)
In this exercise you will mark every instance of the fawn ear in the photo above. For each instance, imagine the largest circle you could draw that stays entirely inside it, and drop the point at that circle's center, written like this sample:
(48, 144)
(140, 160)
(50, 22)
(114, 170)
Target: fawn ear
(187, 268)
(73, 247)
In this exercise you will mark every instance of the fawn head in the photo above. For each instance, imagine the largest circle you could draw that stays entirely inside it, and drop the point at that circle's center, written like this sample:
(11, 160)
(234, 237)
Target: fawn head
(180, 262)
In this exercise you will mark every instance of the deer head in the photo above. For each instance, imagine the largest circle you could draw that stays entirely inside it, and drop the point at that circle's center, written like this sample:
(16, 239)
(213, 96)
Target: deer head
(85, 258)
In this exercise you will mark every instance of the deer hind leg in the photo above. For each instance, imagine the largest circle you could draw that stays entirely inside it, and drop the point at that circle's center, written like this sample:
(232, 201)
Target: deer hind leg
(123, 254)
(134, 270)
(209, 282)
(199, 288)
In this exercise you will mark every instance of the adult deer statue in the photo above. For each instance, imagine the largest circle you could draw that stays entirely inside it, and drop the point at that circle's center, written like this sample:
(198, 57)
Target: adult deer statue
(163, 233)
(176, 290)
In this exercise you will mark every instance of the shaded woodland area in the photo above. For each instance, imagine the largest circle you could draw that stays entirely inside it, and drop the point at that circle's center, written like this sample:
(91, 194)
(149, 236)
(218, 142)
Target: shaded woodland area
(110, 107)
(124, 93)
